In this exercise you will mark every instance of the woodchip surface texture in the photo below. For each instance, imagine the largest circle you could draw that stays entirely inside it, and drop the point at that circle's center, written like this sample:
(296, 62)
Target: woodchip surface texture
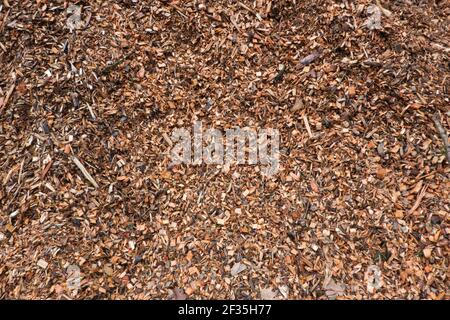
(359, 91)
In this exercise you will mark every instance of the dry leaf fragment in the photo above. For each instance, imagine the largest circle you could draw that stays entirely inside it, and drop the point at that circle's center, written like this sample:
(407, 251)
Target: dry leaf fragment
(193, 270)
(67, 149)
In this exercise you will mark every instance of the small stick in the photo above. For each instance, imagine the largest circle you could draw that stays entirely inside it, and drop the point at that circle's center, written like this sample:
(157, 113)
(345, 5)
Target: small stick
(167, 138)
(245, 7)
(46, 168)
(421, 177)
(19, 180)
(91, 111)
(249, 10)
(442, 134)
(280, 74)
(114, 65)
(308, 128)
(418, 200)
(84, 171)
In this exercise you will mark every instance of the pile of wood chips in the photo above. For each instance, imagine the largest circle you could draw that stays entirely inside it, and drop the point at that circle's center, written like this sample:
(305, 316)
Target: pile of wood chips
(90, 92)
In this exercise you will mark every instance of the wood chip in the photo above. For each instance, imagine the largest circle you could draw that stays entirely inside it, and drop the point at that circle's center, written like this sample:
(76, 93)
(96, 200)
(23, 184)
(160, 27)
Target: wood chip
(308, 128)
(42, 263)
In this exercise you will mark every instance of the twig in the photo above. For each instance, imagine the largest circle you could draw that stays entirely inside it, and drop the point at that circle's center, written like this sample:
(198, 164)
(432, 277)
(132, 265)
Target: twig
(177, 8)
(84, 171)
(418, 200)
(421, 178)
(91, 111)
(250, 10)
(114, 65)
(19, 180)
(308, 128)
(442, 134)
(167, 138)
(46, 168)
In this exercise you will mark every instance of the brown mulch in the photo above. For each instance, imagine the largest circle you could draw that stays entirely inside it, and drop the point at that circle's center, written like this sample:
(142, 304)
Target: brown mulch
(367, 184)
